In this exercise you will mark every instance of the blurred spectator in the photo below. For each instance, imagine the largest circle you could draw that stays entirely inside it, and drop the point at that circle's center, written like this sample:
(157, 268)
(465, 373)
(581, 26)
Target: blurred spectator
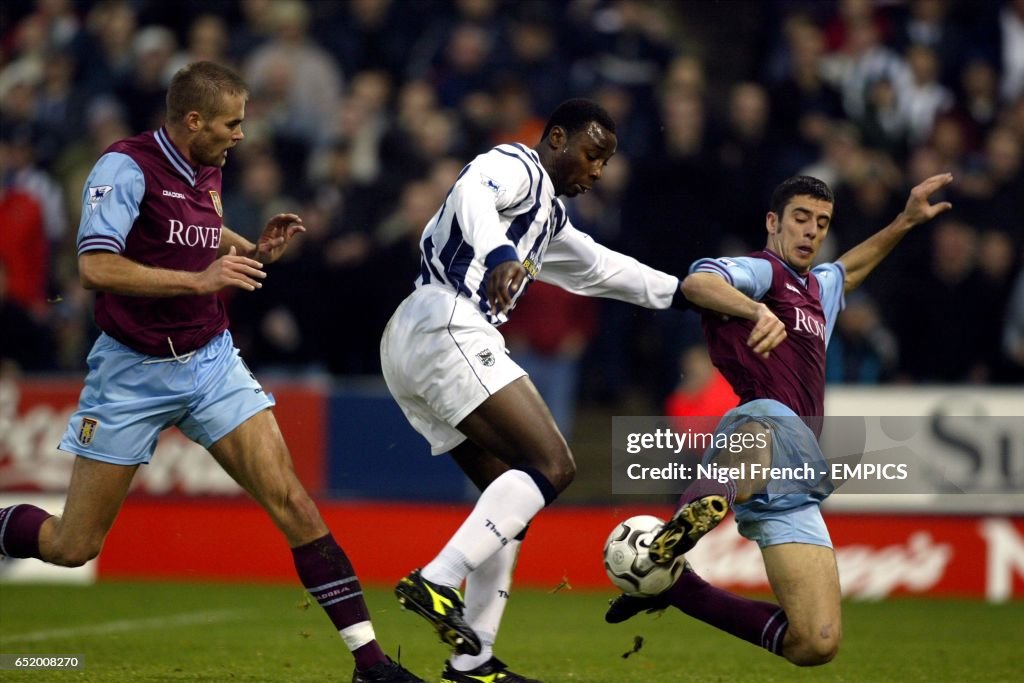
(515, 120)
(281, 328)
(54, 25)
(208, 40)
(23, 173)
(23, 249)
(802, 102)
(369, 34)
(863, 60)
(106, 45)
(997, 257)
(60, 106)
(535, 55)
(993, 188)
(146, 87)
(850, 15)
(702, 390)
(256, 28)
(303, 78)
(465, 67)
(747, 154)
(922, 98)
(936, 344)
(25, 344)
(259, 198)
(430, 50)
(1011, 30)
(1013, 331)
(978, 102)
(884, 124)
(862, 349)
(929, 23)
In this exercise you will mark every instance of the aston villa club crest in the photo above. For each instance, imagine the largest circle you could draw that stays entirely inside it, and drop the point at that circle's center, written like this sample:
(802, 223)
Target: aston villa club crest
(88, 430)
(486, 357)
(216, 203)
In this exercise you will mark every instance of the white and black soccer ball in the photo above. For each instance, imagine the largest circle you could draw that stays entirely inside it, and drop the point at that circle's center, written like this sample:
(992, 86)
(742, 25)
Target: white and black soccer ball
(628, 564)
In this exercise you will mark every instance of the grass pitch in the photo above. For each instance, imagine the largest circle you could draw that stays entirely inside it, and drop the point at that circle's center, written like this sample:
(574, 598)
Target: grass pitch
(131, 632)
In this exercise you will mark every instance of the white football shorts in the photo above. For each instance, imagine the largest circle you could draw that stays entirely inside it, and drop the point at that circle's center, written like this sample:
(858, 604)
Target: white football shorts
(441, 359)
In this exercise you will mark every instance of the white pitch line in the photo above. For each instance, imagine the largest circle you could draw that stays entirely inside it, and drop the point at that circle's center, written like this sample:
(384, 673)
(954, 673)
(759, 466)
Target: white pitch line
(122, 625)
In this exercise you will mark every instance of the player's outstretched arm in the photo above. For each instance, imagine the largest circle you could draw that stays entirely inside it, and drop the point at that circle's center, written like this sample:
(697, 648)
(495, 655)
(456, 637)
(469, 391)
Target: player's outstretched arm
(713, 293)
(109, 272)
(864, 257)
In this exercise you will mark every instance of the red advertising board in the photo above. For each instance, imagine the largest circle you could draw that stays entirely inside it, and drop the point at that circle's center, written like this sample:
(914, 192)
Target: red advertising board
(34, 415)
(879, 556)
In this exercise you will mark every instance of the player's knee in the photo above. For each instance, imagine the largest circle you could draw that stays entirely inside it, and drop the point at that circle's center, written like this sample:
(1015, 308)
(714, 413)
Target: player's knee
(76, 553)
(562, 472)
(813, 651)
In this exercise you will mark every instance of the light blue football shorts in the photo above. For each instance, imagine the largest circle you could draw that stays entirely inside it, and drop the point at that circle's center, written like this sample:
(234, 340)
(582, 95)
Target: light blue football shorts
(789, 511)
(129, 398)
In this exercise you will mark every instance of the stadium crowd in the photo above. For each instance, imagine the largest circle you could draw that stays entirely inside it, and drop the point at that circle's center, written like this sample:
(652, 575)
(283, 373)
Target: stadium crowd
(363, 112)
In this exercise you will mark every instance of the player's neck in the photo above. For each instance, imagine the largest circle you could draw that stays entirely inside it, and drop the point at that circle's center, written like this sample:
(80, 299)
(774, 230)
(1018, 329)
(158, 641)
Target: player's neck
(180, 138)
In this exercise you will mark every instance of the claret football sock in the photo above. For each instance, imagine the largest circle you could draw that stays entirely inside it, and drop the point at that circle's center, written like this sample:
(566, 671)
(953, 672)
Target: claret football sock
(328, 575)
(19, 530)
(502, 512)
(760, 623)
(703, 487)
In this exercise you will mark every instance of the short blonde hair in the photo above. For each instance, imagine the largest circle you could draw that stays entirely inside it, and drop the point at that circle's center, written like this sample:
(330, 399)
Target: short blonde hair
(201, 87)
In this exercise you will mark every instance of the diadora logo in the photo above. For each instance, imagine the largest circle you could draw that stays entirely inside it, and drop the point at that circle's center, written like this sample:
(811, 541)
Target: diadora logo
(175, 195)
(193, 235)
(792, 288)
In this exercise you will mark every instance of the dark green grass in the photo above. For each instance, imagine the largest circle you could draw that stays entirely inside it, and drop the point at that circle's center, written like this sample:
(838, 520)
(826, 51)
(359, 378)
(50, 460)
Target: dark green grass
(207, 632)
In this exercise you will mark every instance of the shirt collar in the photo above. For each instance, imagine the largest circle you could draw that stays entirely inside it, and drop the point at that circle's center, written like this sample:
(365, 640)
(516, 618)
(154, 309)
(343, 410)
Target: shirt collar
(176, 159)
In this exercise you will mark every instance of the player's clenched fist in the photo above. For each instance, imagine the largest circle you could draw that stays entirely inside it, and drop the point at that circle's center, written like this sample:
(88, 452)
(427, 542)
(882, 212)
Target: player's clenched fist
(768, 332)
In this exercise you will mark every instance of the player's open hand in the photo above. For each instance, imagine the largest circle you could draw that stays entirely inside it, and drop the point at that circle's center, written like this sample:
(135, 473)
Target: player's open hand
(279, 231)
(232, 270)
(918, 209)
(768, 332)
(502, 285)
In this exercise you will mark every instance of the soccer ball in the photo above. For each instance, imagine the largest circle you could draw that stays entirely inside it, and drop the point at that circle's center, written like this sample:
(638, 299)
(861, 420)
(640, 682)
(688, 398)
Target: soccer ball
(629, 566)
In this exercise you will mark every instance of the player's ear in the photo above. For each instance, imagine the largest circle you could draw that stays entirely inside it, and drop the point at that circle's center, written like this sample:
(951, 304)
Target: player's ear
(771, 222)
(193, 121)
(557, 138)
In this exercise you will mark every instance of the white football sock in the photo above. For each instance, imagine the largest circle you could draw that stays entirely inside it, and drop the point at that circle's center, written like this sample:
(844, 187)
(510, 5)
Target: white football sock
(503, 510)
(487, 593)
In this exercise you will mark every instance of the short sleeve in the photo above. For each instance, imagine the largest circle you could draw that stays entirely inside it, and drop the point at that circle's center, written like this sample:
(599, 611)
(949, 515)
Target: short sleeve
(832, 279)
(752, 276)
(110, 203)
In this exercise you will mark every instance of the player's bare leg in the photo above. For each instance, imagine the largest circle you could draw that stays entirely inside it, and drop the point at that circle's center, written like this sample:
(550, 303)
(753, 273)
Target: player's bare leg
(255, 455)
(805, 580)
(515, 426)
(95, 494)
